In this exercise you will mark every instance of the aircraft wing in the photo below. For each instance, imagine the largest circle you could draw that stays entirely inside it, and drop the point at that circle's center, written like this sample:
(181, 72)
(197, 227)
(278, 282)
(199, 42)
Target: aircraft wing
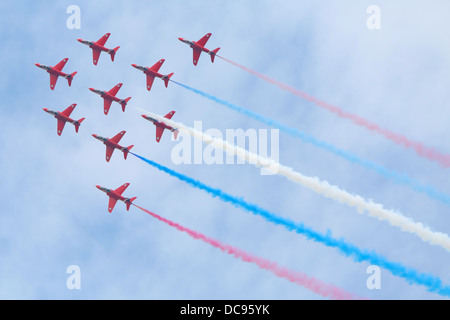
(169, 115)
(109, 152)
(114, 90)
(150, 82)
(117, 137)
(112, 203)
(157, 65)
(61, 64)
(61, 124)
(159, 132)
(69, 110)
(102, 40)
(196, 56)
(53, 79)
(95, 55)
(122, 188)
(204, 40)
(106, 105)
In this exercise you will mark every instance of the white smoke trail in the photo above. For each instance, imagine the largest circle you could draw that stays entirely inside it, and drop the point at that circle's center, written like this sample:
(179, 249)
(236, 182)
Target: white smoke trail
(321, 187)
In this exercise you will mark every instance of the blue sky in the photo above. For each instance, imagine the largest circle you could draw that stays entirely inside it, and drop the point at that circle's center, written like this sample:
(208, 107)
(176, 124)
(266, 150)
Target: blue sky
(53, 216)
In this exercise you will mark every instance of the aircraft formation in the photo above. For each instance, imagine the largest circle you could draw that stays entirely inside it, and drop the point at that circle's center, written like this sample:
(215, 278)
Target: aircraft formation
(198, 47)
(110, 96)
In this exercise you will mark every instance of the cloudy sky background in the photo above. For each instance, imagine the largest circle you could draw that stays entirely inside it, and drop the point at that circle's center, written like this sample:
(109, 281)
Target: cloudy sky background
(53, 216)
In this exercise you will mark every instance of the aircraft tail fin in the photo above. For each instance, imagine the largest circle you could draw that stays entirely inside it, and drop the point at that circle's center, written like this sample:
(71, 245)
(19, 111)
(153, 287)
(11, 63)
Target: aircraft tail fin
(124, 103)
(77, 124)
(167, 78)
(125, 152)
(213, 54)
(113, 53)
(70, 77)
(129, 202)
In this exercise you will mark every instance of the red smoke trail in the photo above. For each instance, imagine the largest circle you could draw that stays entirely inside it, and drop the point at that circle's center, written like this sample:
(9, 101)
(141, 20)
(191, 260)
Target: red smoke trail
(301, 279)
(423, 151)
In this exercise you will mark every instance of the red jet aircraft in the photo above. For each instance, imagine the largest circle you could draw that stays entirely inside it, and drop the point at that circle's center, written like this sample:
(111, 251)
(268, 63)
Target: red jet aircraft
(152, 72)
(63, 117)
(199, 46)
(113, 143)
(110, 96)
(115, 195)
(98, 47)
(161, 126)
(56, 71)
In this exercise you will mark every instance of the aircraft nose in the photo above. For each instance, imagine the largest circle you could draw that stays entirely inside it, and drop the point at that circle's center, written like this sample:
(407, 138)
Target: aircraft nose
(134, 65)
(37, 64)
(94, 135)
(45, 109)
(80, 40)
(92, 89)
(98, 187)
(144, 116)
(181, 39)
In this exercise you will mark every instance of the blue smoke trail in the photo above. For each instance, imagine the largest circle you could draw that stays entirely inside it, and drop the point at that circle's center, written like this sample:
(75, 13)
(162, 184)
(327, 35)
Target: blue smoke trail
(390, 174)
(433, 283)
